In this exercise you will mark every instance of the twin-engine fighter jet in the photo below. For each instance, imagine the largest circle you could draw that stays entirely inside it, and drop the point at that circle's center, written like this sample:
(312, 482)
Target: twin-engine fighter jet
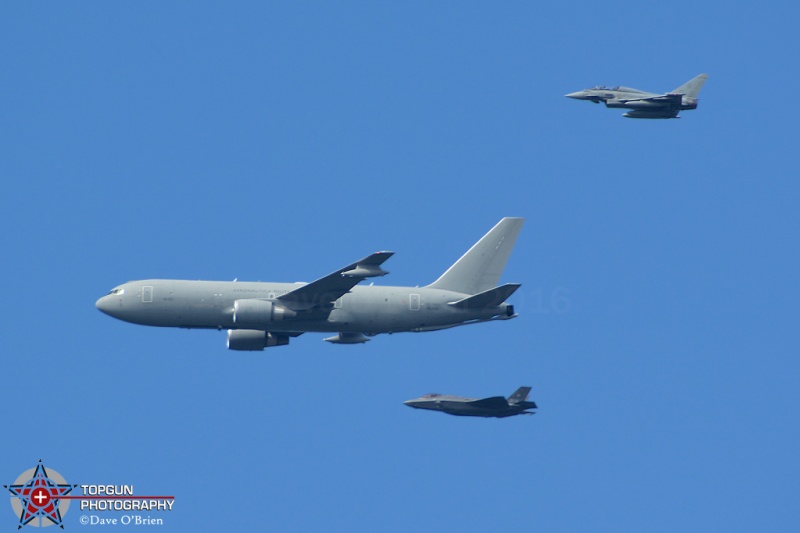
(496, 406)
(644, 104)
(260, 315)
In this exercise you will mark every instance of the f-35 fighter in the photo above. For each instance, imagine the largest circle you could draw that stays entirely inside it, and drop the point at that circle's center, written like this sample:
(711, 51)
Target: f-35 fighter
(496, 406)
(644, 104)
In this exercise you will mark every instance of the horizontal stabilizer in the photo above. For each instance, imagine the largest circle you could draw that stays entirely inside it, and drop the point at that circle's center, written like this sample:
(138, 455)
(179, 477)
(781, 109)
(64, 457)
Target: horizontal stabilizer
(495, 402)
(490, 298)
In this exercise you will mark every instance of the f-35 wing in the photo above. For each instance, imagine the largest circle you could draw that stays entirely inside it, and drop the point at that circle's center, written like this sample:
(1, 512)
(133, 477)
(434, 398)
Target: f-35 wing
(495, 402)
(326, 290)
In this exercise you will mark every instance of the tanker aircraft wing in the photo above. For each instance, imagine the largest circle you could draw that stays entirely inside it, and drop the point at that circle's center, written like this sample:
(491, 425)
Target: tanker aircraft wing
(328, 289)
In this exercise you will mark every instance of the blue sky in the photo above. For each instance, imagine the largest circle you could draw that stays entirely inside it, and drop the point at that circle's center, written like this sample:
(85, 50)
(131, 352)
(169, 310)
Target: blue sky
(658, 318)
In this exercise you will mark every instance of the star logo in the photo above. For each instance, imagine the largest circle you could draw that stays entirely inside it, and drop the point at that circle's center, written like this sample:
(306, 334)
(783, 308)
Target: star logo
(36, 497)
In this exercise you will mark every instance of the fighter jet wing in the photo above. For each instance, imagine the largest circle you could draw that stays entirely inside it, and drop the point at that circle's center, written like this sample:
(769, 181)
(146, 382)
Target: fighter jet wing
(328, 289)
(495, 402)
(674, 99)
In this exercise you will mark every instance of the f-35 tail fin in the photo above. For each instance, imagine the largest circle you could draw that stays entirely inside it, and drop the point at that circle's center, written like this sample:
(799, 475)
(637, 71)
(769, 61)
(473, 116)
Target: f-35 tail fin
(692, 87)
(520, 395)
(480, 268)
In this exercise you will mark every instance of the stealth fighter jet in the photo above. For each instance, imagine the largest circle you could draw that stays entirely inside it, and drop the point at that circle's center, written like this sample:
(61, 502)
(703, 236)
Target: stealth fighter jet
(496, 406)
(643, 104)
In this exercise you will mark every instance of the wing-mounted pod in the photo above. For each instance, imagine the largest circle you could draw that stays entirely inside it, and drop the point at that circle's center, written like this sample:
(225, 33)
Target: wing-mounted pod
(369, 267)
(326, 290)
(259, 312)
(365, 271)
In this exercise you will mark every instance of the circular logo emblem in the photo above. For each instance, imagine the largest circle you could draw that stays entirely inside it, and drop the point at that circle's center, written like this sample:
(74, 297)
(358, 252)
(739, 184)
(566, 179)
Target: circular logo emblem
(36, 497)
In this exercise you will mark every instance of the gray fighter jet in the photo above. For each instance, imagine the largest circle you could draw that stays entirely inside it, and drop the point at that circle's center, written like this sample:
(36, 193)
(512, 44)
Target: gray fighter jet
(644, 104)
(496, 406)
(260, 315)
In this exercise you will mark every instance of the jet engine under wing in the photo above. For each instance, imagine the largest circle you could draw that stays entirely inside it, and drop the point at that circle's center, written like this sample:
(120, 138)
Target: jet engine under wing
(328, 289)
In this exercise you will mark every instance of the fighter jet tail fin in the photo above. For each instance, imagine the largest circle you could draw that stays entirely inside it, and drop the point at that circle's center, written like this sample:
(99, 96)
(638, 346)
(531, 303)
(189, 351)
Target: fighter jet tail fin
(692, 87)
(520, 395)
(480, 268)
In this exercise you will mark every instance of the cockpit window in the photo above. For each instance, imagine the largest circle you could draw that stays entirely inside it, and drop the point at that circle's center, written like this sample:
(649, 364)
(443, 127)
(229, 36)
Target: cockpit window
(432, 395)
(116, 291)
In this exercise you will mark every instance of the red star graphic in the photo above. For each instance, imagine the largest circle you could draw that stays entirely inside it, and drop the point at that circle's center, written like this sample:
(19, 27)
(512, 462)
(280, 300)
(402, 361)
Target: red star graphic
(39, 497)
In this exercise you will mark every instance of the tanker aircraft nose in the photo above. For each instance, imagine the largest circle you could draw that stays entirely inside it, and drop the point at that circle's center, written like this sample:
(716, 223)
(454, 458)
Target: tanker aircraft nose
(105, 305)
(111, 303)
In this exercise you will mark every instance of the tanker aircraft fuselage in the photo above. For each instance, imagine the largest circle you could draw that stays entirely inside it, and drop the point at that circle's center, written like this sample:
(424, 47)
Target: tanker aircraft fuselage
(210, 304)
(263, 314)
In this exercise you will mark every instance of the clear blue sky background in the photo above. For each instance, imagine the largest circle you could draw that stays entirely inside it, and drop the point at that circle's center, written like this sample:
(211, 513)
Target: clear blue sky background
(658, 318)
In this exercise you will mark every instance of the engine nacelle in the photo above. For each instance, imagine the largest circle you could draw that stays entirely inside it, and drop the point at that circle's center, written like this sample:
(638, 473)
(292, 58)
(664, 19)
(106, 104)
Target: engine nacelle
(251, 340)
(259, 312)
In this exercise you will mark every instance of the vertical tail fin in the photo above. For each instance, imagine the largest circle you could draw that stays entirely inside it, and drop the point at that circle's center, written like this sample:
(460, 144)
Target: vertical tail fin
(480, 268)
(692, 87)
(520, 395)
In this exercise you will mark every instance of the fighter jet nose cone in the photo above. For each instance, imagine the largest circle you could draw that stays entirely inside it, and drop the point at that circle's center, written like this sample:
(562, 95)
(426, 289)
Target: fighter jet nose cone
(577, 95)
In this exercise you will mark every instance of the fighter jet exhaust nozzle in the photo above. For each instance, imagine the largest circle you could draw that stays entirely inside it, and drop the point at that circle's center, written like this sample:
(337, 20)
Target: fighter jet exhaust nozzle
(250, 340)
(509, 310)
